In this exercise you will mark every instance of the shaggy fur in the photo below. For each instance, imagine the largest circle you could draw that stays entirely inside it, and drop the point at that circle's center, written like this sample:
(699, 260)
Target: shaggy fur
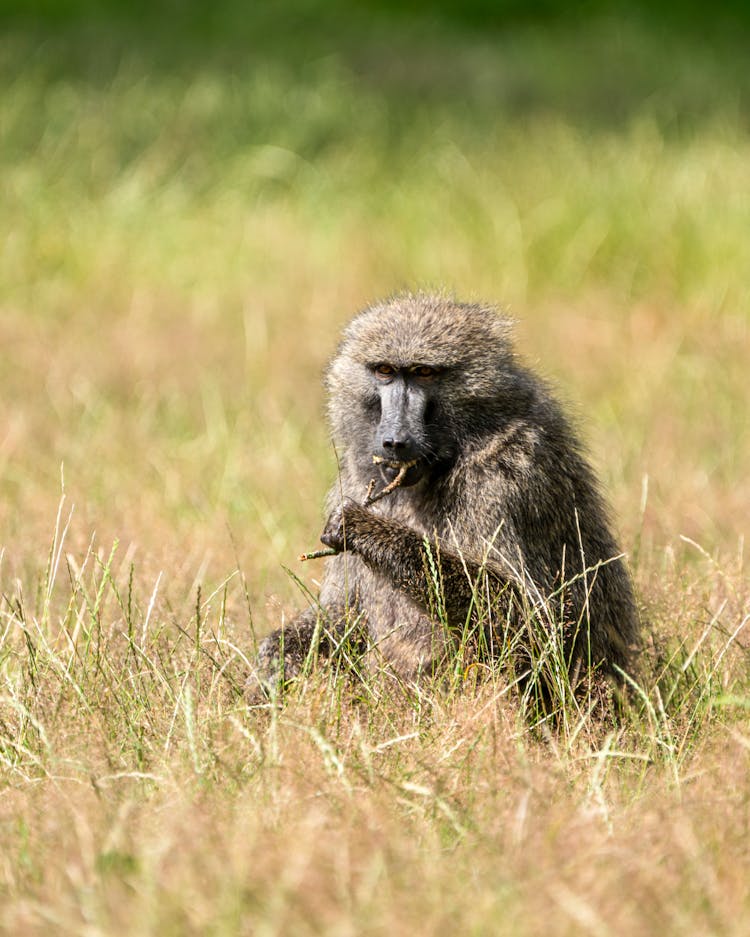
(505, 507)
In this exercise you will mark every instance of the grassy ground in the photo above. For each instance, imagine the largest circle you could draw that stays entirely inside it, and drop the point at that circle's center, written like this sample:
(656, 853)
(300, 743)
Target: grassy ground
(188, 213)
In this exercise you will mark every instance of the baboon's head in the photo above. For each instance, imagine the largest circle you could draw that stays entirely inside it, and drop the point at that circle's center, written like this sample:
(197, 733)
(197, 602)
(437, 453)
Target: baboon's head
(413, 379)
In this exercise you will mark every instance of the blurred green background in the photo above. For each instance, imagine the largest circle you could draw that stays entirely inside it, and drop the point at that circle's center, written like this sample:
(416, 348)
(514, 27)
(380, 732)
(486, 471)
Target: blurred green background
(196, 196)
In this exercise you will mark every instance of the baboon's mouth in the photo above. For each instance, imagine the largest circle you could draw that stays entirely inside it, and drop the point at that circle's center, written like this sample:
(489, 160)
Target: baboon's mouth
(391, 468)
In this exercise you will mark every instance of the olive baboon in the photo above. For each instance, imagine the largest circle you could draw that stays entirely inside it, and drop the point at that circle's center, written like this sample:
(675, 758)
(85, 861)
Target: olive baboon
(495, 499)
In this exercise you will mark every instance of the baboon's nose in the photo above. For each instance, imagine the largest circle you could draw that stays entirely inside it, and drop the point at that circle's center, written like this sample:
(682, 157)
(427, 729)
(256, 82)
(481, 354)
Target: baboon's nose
(395, 445)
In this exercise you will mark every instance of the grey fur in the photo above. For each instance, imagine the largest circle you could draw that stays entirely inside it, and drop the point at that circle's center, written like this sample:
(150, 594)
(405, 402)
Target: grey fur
(504, 492)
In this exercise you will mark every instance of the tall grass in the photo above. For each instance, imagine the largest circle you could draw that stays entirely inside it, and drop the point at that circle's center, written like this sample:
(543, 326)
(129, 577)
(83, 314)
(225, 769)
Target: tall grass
(142, 792)
(189, 211)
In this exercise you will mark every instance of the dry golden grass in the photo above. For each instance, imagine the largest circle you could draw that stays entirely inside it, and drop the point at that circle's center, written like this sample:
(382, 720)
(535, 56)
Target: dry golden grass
(180, 248)
(142, 795)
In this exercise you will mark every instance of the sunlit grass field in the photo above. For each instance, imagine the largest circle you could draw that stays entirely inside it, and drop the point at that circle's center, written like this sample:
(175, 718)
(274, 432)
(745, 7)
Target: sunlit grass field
(189, 212)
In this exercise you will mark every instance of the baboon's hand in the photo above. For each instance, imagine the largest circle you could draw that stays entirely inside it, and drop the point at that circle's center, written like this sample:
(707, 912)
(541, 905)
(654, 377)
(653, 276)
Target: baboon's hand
(338, 533)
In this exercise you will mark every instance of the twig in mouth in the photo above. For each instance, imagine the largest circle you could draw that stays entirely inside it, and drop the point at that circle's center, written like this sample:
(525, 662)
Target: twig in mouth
(391, 486)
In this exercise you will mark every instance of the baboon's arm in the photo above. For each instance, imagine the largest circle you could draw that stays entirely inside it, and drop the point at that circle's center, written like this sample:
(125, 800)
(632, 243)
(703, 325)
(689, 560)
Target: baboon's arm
(409, 561)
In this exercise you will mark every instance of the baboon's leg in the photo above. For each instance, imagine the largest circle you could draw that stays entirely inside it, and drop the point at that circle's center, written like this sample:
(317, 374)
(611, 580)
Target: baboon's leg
(316, 633)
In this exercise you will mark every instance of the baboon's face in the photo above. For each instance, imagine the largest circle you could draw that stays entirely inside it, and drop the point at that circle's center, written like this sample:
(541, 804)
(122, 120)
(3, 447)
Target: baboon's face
(414, 379)
(403, 405)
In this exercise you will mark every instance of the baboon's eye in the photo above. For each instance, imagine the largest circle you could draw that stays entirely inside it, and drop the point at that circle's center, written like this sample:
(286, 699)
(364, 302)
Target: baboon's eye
(384, 371)
(424, 371)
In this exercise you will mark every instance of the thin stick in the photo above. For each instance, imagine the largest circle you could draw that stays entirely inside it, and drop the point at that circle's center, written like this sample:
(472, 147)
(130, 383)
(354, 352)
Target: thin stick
(391, 486)
(318, 554)
(370, 498)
